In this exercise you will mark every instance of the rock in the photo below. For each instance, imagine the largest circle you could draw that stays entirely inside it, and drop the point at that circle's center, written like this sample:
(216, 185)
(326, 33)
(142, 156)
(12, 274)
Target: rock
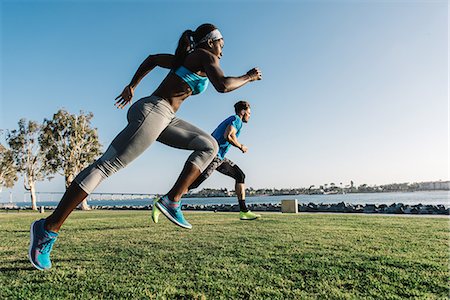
(358, 208)
(302, 207)
(312, 207)
(341, 205)
(370, 208)
(414, 210)
(407, 209)
(324, 207)
(235, 208)
(427, 209)
(395, 209)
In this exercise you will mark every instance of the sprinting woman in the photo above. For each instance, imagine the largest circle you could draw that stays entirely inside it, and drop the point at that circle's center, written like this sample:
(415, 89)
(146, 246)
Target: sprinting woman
(195, 63)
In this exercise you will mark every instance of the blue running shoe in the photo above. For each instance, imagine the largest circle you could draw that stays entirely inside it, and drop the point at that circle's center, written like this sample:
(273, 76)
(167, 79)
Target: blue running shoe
(172, 210)
(41, 243)
(155, 211)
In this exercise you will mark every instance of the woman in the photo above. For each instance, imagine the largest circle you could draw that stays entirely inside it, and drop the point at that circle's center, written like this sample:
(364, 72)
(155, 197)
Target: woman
(195, 63)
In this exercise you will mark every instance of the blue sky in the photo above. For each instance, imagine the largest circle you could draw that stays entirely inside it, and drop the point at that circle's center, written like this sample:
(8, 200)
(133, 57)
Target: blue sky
(352, 90)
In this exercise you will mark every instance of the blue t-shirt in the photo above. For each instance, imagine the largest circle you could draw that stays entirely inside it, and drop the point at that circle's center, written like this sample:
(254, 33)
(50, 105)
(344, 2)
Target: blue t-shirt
(218, 133)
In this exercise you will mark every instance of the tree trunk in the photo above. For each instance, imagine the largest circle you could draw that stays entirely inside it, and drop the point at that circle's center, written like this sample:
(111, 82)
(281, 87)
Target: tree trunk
(69, 179)
(83, 205)
(33, 195)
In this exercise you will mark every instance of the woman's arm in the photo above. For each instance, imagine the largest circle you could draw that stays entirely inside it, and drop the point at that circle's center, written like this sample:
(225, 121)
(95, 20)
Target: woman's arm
(152, 61)
(222, 83)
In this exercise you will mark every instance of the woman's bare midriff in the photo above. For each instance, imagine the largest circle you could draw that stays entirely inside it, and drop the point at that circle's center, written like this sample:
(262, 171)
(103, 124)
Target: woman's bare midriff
(174, 90)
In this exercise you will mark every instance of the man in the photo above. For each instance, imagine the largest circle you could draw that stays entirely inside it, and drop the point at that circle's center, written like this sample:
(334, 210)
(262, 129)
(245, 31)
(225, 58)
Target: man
(227, 134)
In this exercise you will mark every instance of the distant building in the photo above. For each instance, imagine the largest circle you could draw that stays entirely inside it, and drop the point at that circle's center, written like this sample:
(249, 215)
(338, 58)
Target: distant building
(8, 206)
(434, 185)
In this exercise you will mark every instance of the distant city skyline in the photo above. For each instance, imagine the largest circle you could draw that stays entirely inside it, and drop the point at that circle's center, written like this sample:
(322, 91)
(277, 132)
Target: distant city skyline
(351, 90)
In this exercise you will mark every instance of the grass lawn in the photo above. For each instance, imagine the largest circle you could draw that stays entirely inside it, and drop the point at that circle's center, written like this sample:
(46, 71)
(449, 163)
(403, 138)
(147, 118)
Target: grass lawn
(122, 255)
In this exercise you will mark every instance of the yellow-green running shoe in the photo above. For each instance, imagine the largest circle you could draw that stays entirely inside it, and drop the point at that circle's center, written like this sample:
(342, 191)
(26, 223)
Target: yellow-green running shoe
(155, 211)
(248, 216)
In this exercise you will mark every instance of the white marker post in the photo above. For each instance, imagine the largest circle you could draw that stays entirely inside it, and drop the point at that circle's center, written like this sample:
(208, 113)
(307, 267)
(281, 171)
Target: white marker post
(289, 206)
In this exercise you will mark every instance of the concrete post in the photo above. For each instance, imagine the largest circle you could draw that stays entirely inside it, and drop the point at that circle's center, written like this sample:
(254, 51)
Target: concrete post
(41, 210)
(289, 206)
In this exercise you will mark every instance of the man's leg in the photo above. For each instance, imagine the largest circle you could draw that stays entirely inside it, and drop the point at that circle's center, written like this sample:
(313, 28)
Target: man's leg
(240, 193)
(229, 168)
(206, 173)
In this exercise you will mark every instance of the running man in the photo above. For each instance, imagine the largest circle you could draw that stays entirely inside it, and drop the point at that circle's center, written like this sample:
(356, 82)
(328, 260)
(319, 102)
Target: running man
(226, 135)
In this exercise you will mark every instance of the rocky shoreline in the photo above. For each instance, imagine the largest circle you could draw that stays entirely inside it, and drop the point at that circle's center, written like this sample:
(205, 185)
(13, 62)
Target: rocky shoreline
(341, 207)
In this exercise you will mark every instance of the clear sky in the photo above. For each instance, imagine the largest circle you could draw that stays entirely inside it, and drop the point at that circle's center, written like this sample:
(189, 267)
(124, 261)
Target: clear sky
(351, 90)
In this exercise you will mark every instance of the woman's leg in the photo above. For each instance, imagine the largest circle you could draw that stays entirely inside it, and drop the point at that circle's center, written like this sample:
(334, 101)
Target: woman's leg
(183, 135)
(187, 176)
(73, 196)
(147, 119)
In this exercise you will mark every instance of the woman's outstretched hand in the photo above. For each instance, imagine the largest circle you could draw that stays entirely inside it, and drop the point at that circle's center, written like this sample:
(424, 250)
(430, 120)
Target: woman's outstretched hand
(254, 74)
(125, 97)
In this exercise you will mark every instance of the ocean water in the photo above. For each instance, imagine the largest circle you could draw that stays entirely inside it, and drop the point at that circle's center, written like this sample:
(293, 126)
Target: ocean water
(410, 198)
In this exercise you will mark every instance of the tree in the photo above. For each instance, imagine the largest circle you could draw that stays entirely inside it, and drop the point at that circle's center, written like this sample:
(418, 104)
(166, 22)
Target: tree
(70, 144)
(8, 170)
(28, 156)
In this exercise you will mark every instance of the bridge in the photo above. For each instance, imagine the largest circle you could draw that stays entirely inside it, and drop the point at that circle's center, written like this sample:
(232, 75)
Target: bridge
(56, 196)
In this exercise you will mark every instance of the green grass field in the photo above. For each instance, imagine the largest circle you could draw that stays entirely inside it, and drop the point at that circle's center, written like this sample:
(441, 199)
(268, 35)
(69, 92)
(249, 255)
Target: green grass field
(122, 255)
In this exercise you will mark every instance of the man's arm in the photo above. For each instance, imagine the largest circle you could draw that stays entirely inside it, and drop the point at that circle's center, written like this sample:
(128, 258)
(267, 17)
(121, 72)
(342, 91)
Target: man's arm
(230, 136)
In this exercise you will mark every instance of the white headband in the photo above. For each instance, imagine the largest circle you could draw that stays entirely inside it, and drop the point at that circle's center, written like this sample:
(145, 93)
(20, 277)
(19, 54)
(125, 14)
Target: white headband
(213, 35)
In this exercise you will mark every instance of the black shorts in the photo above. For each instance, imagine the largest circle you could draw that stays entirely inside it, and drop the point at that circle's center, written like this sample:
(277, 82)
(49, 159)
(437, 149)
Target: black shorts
(224, 166)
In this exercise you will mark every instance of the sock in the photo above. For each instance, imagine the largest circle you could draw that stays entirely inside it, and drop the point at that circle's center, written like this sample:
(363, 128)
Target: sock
(242, 206)
(170, 203)
(50, 233)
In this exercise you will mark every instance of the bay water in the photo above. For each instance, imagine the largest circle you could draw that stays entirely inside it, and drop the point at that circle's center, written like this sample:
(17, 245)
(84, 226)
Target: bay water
(409, 198)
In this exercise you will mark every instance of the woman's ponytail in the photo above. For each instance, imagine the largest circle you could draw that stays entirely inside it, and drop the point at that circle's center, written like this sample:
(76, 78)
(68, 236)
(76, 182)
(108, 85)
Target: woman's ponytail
(185, 45)
(188, 41)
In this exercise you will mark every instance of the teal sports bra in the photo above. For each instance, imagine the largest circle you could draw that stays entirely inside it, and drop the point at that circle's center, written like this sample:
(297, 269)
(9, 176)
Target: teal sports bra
(197, 83)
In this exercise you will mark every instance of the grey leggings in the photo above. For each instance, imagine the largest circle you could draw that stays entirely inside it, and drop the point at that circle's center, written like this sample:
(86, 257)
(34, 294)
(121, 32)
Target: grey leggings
(149, 119)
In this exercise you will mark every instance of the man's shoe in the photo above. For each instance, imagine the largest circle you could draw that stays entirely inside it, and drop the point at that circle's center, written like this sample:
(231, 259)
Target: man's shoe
(248, 215)
(155, 211)
(172, 210)
(41, 243)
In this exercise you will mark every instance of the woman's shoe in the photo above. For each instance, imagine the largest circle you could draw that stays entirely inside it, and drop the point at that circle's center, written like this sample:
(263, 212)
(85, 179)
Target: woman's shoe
(172, 210)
